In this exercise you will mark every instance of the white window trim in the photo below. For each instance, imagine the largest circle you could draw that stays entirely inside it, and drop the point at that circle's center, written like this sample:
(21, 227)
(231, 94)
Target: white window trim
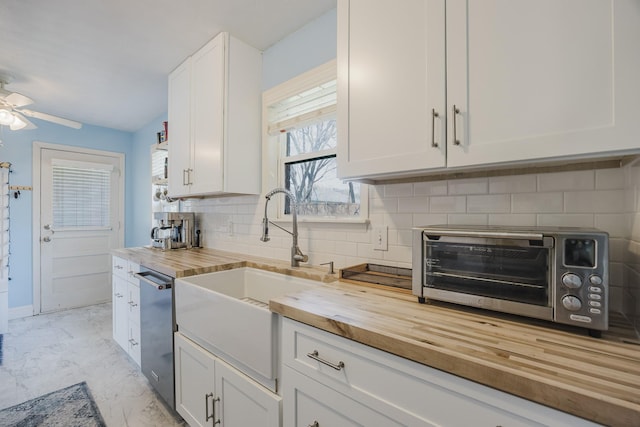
(272, 170)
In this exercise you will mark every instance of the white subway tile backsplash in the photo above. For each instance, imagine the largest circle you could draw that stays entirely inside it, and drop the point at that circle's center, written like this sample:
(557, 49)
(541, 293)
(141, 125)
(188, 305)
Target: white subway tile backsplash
(413, 204)
(610, 179)
(608, 199)
(522, 220)
(470, 219)
(494, 203)
(574, 180)
(347, 248)
(617, 225)
(617, 248)
(602, 201)
(387, 204)
(513, 184)
(469, 186)
(395, 190)
(430, 188)
(566, 220)
(398, 254)
(420, 220)
(536, 203)
(448, 204)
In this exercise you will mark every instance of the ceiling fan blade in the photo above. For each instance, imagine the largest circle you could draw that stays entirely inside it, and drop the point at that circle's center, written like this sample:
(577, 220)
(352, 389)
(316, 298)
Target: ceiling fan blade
(18, 100)
(27, 124)
(52, 119)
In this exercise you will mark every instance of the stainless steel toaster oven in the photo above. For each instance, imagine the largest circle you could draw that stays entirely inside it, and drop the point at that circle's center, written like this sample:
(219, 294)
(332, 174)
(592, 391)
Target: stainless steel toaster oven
(559, 274)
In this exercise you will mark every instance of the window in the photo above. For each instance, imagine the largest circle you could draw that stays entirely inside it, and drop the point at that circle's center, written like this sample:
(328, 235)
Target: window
(81, 197)
(302, 138)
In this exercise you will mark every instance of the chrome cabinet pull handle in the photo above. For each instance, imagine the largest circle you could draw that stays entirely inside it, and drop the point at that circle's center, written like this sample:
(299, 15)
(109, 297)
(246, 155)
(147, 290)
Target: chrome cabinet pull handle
(119, 295)
(213, 407)
(315, 424)
(184, 173)
(315, 356)
(456, 111)
(189, 175)
(206, 406)
(434, 114)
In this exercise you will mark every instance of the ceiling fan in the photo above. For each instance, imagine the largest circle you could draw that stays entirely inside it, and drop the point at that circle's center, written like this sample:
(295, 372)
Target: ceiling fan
(13, 115)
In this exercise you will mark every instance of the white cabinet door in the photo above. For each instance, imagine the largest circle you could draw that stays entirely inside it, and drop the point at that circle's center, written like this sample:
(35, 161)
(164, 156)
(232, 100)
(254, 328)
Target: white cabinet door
(309, 403)
(214, 120)
(540, 79)
(391, 84)
(209, 391)
(194, 381)
(243, 402)
(179, 141)
(120, 309)
(207, 112)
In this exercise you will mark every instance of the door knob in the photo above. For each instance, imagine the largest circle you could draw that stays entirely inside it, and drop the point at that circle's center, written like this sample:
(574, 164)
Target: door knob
(46, 239)
(49, 227)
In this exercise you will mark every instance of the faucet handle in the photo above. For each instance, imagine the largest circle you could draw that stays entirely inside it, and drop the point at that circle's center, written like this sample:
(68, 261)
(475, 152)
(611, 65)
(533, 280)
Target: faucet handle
(330, 264)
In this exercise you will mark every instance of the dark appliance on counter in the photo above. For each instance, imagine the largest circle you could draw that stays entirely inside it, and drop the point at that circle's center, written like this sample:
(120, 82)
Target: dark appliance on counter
(559, 274)
(175, 230)
(157, 325)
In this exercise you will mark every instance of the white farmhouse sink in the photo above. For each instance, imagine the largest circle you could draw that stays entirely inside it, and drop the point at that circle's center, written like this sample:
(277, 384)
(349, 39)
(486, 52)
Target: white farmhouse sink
(227, 312)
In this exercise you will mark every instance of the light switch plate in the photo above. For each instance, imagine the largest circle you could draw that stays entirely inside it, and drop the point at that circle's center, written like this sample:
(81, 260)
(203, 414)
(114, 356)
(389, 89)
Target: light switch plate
(380, 238)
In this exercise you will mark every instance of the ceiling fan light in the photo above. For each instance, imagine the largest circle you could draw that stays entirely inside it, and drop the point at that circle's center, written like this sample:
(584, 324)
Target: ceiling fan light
(17, 123)
(7, 118)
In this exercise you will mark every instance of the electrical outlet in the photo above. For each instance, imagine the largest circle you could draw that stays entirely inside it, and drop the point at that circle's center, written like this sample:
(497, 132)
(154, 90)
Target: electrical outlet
(230, 228)
(380, 242)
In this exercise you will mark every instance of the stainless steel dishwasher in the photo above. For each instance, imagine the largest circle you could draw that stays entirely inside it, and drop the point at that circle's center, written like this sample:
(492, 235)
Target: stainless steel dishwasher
(157, 325)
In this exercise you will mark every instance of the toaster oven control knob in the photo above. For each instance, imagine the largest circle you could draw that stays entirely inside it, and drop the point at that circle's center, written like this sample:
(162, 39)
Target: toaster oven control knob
(571, 303)
(571, 280)
(595, 280)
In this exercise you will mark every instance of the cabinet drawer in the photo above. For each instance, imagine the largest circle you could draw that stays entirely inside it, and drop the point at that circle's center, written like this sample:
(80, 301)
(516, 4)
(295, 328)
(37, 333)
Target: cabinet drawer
(134, 342)
(120, 267)
(309, 403)
(132, 268)
(370, 375)
(133, 302)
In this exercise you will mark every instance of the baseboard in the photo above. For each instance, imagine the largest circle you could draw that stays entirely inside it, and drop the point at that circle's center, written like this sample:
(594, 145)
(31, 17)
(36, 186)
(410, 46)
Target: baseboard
(20, 312)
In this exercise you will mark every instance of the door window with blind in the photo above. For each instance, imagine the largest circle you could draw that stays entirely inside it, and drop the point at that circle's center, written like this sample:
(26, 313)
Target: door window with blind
(301, 133)
(81, 196)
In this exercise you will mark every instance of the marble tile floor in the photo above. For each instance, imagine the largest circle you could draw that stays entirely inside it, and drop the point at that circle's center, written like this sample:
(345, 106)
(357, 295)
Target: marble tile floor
(51, 351)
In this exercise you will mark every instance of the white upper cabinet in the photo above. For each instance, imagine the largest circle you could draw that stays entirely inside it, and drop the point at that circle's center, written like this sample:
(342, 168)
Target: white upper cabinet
(525, 81)
(540, 79)
(391, 86)
(214, 120)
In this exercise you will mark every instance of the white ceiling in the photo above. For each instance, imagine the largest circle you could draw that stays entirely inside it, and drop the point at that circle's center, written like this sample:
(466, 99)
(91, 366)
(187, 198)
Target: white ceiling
(105, 62)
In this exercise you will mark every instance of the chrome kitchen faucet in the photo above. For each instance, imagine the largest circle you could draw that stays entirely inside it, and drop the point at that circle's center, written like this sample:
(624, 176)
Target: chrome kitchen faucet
(296, 253)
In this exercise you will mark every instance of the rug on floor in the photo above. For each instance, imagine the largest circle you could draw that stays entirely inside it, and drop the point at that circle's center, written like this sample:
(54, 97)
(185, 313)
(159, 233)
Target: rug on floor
(71, 406)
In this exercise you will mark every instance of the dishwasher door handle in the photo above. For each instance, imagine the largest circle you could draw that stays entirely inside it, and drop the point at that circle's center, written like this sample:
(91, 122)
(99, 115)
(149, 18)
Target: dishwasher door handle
(160, 284)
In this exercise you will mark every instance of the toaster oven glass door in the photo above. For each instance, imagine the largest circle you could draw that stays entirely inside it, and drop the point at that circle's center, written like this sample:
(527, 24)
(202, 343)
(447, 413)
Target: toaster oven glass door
(501, 271)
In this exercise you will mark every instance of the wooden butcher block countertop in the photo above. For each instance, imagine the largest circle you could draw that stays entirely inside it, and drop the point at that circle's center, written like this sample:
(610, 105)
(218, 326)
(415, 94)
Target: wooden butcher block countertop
(561, 367)
(558, 366)
(179, 263)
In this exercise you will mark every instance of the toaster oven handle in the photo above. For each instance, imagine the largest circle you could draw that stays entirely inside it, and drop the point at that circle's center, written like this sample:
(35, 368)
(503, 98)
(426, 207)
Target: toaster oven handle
(485, 234)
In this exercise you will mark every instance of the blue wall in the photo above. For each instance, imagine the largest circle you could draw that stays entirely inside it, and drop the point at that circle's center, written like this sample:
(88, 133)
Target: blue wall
(138, 234)
(312, 45)
(18, 149)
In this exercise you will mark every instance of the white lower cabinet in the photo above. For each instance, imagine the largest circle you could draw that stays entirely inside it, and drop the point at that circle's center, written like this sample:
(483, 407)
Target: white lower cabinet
(212, 392)
(329, 380)
(126, 307)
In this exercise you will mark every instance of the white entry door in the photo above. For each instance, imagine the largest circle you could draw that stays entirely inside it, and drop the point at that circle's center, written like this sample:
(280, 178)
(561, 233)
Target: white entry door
(81, 205)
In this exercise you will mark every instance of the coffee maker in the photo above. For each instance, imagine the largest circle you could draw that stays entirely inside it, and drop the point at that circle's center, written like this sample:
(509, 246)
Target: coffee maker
(175, 230)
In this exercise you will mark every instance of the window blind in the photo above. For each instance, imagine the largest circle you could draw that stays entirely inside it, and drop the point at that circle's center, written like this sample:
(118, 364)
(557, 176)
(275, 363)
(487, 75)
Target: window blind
(303, 108)
(81, 197)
